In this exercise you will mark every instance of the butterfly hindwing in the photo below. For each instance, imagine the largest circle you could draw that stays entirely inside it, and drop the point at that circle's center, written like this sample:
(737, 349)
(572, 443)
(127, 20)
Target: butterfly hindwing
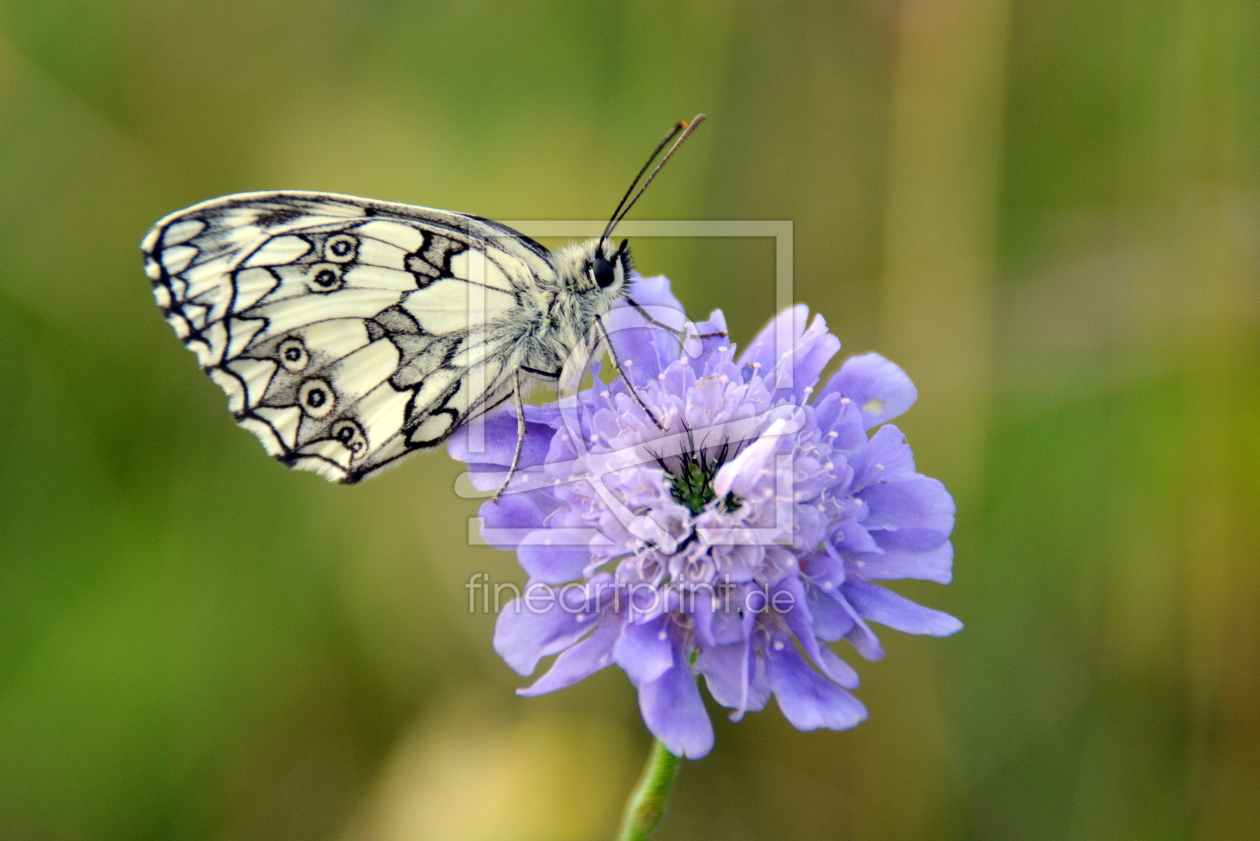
(346, 333)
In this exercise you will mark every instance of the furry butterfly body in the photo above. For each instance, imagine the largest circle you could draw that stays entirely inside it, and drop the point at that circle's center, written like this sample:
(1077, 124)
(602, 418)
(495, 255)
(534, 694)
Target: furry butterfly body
(349, 333)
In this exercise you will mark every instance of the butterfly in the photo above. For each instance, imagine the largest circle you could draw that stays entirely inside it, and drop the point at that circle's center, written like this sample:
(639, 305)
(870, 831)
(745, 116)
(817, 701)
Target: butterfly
(349, 333)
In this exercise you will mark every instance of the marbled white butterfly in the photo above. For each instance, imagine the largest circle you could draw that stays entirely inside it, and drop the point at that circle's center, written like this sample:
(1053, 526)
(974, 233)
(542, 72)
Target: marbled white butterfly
(349, 333)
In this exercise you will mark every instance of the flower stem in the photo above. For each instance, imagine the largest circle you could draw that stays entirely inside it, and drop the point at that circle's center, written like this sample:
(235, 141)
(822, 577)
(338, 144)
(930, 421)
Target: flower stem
(646, 805)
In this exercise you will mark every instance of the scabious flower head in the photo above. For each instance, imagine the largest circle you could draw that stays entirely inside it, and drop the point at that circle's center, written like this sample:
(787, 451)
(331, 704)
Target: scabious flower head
(736, 544)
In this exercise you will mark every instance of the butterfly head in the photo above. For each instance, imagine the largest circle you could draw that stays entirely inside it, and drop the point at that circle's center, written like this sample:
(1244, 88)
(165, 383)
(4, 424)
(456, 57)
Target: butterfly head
(608, 271)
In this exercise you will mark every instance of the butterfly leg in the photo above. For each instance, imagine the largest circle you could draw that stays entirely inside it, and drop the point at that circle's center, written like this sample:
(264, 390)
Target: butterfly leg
(612, 354)
(520, 435)
(546, 376)
(549, 376)
(678, 333)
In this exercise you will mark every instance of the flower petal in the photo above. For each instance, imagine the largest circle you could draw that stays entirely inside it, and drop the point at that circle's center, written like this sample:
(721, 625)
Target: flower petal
(838, 670)
(726, 672)
(581, 660)
(645, 651)
(523, 636)
(887, 457)
(807, 699)
(646, 347)
(880, 389)
(730, 672)
(852, 539)
(824, 569)
(718, 338)
(674, 712)
(919, 502)
(743, 473)
(842, 421)
(702, 607)
(508, 520)
(775, 339)
(801, 622)
(497, 441)
(795, 612)
(556, 556)
(831, 621)
(902, 557)
(655, 291)
(807, 358)
(518, 511)
(726, 624)
(860, 636)
(897, 612)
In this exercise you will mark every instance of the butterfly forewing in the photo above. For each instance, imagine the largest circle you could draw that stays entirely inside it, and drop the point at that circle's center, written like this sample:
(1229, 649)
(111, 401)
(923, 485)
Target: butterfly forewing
(347, 333)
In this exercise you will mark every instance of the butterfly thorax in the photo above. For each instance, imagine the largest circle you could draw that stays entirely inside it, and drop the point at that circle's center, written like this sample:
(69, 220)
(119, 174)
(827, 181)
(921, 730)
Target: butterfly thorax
(590, 279)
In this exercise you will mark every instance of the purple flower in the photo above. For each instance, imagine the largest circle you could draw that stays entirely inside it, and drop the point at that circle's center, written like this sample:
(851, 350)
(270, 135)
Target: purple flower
(736, 544)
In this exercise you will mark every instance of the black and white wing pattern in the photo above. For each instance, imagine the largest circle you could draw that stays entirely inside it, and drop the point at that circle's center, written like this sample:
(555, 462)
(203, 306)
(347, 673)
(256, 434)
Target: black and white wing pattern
(347, 333)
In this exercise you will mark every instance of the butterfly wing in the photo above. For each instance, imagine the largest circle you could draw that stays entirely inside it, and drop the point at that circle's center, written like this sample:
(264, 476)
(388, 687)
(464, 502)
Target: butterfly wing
(347, 333)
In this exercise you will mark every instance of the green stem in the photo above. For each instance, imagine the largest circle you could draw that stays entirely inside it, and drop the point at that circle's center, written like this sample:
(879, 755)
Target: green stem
(646, 804)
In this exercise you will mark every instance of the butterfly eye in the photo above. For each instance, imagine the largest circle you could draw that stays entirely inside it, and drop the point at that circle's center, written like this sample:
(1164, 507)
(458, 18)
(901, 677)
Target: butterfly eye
(340, 248)
(293, 355)
(325, 277)
(317, 398)
(603, 272)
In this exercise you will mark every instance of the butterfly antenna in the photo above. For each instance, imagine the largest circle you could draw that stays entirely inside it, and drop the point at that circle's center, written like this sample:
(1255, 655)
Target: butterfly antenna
(622, 206)
(669, 135)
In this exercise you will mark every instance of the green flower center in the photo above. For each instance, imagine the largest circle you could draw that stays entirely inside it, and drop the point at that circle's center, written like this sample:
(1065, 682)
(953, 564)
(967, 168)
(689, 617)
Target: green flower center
(692, 485)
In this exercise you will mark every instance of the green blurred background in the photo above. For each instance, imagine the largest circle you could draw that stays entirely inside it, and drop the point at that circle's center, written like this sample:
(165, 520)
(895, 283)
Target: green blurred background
(1047, 211)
